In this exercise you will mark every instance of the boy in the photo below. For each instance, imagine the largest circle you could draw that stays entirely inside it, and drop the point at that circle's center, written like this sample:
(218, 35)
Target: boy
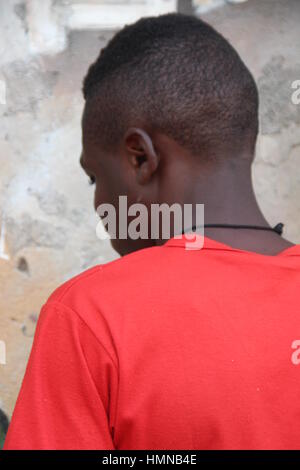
(168, 348)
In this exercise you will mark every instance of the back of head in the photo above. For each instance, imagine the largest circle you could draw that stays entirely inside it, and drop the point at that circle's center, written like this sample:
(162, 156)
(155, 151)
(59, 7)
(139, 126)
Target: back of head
(177, 75)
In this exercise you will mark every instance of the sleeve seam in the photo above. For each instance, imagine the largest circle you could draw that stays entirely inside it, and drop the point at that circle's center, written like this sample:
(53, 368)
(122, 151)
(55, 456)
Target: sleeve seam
(59, 305)
(74, 281)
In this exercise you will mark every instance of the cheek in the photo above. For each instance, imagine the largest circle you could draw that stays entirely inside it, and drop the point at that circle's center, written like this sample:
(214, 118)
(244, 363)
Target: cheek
(97, 201)
(112, 183)
(99, 196)
(104, 194)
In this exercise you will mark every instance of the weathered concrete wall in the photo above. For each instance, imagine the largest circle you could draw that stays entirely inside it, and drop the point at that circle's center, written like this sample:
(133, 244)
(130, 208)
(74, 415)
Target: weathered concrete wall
(46, 202)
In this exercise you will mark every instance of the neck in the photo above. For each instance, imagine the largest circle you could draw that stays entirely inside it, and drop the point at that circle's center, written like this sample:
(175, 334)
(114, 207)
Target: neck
(228, 198)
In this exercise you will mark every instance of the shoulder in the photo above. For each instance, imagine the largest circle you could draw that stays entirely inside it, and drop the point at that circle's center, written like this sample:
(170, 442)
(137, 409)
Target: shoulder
(101, 296)
(107, 279)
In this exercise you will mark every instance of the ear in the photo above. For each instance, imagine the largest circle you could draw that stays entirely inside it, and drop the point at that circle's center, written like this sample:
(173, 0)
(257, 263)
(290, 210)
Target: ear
(141, 153)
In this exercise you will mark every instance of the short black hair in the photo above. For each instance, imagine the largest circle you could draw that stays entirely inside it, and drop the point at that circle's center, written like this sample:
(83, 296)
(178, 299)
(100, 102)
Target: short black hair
(176, 74)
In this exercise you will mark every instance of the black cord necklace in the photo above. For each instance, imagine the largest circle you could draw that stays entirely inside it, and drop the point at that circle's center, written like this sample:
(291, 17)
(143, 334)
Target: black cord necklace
(277, 229)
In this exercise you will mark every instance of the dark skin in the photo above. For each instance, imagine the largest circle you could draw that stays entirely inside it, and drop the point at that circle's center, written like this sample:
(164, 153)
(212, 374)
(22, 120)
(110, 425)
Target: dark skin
(150, 167)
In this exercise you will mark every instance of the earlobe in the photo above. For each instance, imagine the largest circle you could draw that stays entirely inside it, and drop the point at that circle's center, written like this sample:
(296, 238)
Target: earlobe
(141, 154)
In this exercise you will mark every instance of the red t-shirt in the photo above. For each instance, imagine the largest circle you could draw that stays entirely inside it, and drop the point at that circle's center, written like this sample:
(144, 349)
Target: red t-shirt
(168, 348)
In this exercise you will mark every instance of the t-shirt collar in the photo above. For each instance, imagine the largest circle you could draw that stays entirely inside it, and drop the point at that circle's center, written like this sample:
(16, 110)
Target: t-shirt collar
(210, 244)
